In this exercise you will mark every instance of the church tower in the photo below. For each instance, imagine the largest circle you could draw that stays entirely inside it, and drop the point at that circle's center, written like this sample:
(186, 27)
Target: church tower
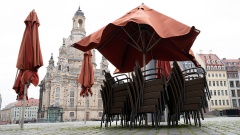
(78, 23)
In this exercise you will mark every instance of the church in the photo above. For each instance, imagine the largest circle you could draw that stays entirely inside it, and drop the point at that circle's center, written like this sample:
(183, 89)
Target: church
(59, 98)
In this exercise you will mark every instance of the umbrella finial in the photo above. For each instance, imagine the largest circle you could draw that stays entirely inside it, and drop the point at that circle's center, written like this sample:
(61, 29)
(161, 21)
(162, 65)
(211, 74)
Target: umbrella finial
(33, 10)
(51, 55)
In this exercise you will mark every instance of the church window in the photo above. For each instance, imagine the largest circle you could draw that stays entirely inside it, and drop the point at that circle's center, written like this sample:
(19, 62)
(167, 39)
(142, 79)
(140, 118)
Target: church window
(72, 97)
(72, 92)
(57, 92)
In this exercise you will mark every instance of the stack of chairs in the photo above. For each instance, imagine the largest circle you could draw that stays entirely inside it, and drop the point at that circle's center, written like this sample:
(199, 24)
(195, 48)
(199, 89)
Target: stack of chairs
(188, 95)
(116, 94)
(129, 99)
(150, 94)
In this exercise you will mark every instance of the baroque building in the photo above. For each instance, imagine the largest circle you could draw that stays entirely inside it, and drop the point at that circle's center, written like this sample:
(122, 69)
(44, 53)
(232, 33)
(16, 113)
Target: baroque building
(60, 90)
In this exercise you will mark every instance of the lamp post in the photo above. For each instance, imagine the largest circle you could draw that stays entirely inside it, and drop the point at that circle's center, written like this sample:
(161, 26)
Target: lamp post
(60, 113)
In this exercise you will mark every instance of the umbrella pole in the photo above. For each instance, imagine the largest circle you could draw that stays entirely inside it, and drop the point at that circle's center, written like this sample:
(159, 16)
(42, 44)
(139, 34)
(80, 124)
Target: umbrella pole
(144, 68)
(23, 105)
(85, 109)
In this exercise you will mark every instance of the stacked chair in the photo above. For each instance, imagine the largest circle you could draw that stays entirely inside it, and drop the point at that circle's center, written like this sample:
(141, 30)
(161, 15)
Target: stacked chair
(188, 94)
(129, 99)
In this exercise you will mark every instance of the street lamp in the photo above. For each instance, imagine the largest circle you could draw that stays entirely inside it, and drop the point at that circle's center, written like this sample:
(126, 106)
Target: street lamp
(60, 113)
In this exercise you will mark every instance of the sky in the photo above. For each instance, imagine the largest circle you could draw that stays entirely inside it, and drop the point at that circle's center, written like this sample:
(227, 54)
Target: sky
(218, 21)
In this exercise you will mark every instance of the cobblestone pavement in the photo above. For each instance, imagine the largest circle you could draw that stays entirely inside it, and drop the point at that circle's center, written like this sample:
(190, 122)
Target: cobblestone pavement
(210, 126)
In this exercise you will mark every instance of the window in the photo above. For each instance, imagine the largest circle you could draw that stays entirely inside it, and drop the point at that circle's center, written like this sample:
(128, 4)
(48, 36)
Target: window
(218, 92)
(231, 84)
(224, 83)
(72, 92)
(213, 61)
(234, 102)
(211, 92)
(220, 75)
(219, 67)
(221, 83)
(222, 92)
(233, 93)
(216, 102)
(215, 93)
(220, 103)
(212, 102)
(238, 93)
(217, 83)
(223, 102)
(237, 84)
(227, 102)
(71, 102)
(209, 75)
(216, 75)
(235, 75)
(238, 102)
(223, 75)
(213, 83)
(229, 75)
(226, 92)
(57, 92)
(212, 75)
(209, 83)
(208, 68)
(71, 114)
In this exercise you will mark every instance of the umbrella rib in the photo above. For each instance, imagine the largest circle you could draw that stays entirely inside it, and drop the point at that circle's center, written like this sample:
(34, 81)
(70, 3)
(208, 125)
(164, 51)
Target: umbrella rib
(141, 37)
(136, 47)
(130, 37)
(112, 35)
(150, 41)
(153, 44)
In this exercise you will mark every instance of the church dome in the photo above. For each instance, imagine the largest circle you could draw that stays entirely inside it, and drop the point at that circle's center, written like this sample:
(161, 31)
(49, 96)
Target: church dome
(79, 12)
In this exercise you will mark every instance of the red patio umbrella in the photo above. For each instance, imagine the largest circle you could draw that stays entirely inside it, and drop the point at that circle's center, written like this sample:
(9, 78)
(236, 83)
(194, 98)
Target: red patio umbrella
(29, 59)
(142, 34)
(86, 77)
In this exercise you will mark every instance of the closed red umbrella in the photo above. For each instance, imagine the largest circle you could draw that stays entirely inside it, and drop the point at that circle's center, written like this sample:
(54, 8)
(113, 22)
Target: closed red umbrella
(86, 77)
(142, 34)
(29, 58)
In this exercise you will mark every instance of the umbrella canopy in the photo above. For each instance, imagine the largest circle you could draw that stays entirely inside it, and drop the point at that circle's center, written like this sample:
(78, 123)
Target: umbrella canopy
(29, 56)
(86, 77)
(142, 34)
(165, 65)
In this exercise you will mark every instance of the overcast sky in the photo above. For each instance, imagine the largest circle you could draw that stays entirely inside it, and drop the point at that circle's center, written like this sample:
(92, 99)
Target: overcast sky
(218, 21)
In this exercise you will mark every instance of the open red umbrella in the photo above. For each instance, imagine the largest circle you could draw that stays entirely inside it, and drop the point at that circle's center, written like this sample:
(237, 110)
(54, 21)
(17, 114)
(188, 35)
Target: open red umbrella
(142, 34)
(86, 77)
(29, 59)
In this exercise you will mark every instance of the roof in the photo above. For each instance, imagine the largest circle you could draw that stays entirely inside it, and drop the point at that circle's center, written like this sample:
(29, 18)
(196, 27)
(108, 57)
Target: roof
(211, 60)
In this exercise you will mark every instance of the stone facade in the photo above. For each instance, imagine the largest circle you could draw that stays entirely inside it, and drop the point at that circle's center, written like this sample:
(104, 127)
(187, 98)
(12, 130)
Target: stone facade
(60, 87)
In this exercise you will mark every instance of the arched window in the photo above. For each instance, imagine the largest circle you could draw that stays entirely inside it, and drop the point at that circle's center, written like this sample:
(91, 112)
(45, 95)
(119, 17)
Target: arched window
(57, 92)
(72, 92)
(80, 22)
(57, 97)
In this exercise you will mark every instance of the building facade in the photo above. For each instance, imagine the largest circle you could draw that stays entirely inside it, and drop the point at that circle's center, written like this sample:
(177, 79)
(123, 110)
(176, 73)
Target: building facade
(0, 101)
(60, 89)
(12, 112)
(217, 81)
(232, 67)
